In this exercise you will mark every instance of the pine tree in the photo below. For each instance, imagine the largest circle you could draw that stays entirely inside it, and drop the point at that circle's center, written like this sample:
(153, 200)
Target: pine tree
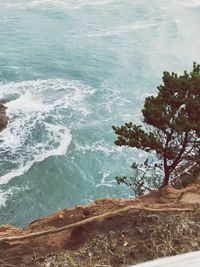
(173, 121)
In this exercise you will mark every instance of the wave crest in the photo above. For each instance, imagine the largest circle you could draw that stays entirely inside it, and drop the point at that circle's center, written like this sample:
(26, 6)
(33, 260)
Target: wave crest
(37, 128)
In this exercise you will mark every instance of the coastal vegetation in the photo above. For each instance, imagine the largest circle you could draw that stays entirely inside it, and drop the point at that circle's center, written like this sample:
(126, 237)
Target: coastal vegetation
(111, 232)
(170, 132)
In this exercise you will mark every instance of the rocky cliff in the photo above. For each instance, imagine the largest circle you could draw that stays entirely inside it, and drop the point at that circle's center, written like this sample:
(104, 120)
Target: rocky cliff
(3, 117)
(108, 232)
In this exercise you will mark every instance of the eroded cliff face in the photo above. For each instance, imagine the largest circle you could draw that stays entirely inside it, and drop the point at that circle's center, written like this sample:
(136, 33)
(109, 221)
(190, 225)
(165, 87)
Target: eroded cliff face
(3, 117)
(110, 232)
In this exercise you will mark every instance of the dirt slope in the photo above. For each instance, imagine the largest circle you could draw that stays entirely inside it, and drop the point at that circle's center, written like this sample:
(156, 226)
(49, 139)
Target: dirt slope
(112, 232)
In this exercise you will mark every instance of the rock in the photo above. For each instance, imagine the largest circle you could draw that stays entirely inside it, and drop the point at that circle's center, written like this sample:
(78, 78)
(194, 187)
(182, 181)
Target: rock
(6, 229)
(86, 212)
(3, 118)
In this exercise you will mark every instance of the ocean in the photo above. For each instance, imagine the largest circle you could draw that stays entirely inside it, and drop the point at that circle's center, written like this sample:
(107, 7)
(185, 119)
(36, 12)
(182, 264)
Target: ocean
(69, 70)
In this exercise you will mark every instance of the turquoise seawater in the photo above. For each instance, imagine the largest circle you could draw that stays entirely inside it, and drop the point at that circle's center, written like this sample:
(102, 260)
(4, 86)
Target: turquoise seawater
(69, 70)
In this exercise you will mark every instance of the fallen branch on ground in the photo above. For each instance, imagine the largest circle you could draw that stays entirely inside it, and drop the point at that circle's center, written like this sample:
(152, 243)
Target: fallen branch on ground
(89, 220)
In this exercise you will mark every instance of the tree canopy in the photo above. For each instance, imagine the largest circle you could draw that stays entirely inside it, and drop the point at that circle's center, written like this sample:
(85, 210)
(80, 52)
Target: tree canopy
(171, 123)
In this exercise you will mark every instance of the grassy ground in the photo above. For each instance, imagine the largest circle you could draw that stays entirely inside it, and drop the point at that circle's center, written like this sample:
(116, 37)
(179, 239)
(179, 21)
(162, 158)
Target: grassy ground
(143, 237)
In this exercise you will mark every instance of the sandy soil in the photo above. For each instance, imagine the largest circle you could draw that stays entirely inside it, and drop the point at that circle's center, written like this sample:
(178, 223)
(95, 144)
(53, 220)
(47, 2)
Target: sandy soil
(113, 232)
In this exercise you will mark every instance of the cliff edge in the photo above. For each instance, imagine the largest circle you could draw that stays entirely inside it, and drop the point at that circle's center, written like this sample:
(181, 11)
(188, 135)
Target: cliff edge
(108, 232)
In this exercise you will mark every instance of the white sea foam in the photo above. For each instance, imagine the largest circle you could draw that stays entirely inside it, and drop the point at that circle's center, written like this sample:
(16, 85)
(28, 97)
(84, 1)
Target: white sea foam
(100, 147)
(83, 3)
(36, 130)
(65, 139)
(104, 181)
(190, 3)
(4, 195)
(68, 4)
(132, 27)
(37, 95)
(28, 102)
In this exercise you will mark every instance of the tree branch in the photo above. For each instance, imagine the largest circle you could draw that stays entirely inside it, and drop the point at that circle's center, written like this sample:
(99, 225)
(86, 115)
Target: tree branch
(178, 158)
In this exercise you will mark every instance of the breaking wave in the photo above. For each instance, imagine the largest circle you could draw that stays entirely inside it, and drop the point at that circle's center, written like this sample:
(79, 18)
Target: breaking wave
(36, 130)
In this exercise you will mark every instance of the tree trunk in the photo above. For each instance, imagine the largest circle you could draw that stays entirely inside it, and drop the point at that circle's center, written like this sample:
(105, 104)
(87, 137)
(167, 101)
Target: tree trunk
(166, 173)
(166, 178)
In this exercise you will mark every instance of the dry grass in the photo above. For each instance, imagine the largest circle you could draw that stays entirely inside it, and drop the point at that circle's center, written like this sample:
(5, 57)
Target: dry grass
(146, 237)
